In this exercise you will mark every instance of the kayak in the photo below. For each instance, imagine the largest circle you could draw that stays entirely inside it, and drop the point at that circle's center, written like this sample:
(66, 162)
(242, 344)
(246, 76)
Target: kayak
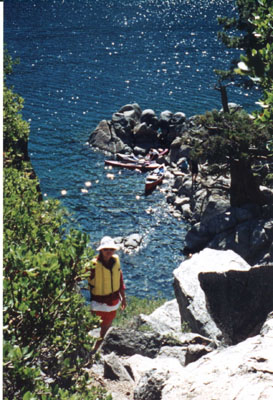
(146, 166)
(153, 179)
(132, 158)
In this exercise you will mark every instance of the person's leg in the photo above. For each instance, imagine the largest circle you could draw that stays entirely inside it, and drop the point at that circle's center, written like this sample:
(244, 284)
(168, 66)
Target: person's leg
(106, 323)
(104, 329)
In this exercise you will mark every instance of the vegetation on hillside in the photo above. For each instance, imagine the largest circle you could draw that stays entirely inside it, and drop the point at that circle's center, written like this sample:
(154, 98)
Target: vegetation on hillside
(45, 320)
(232, 138)
(252, 33)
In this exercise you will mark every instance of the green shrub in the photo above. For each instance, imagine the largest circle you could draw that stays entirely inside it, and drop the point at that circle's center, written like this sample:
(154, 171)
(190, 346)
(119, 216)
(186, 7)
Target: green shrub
(45, 321)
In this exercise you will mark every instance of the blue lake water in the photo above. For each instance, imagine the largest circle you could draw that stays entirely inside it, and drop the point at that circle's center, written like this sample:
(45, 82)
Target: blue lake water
(80, 61)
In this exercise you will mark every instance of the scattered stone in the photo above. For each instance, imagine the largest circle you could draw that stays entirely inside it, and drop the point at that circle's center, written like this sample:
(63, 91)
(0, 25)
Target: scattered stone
(114, 369)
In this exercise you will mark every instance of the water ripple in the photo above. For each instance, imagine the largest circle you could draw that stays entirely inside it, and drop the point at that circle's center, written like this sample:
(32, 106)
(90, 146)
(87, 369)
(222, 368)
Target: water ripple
(80, 61)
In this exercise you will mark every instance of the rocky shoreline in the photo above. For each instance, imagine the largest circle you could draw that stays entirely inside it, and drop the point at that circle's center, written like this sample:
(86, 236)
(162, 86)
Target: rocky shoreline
(248, 230)
(214, 340)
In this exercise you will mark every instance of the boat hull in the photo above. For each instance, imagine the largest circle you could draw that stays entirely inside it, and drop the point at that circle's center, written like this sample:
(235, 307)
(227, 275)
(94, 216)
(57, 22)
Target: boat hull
(136, 166)
(154, 179)
(151, 185)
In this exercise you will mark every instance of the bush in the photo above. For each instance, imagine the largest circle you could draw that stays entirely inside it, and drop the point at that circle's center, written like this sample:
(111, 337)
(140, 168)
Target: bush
(45, 320)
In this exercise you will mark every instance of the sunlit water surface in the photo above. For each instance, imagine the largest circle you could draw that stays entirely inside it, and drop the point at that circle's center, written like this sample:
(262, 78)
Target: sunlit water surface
(80, 61)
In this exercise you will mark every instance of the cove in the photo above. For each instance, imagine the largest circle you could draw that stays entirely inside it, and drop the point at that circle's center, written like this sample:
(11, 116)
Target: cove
(80, 61)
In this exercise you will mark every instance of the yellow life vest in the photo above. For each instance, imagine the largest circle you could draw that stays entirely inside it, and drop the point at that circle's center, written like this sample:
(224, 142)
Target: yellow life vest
(105, 281)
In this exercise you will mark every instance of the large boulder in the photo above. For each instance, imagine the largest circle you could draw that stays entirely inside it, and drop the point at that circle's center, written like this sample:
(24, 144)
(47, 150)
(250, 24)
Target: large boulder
(171, 125)
(164, 122)
(104, 138)
(148, 116)
(239, 301)
(133, 110)
(122, 342)
(146, 137)
(123, 125)
(190, 296)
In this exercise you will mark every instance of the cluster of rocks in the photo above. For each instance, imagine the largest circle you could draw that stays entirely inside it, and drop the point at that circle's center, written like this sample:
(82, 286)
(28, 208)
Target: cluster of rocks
(248, 230)
(227, 305)
(129, 243)
(134, 130)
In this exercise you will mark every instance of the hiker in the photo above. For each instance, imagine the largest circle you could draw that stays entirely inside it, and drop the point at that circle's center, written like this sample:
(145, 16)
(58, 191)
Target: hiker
(153, 154)
(106, 285)
(183, 165)
(194, 170)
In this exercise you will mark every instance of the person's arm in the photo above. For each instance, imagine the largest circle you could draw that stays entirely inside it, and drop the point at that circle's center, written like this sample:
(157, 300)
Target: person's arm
(122, 292)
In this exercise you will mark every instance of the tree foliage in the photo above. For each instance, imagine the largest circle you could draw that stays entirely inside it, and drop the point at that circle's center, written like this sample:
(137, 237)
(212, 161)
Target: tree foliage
(234, 141)
(15, 129)
(257, 62)
(233, 138)
(252, 33)
(45, 319)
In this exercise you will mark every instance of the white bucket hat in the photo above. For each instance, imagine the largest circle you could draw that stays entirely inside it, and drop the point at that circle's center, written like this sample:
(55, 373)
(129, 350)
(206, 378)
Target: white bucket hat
(107, 243)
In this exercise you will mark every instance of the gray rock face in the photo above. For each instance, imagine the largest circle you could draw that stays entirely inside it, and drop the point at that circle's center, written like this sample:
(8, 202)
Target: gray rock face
(239, 301)
(243, 230)
(105, 138)
(190, 296)
(240, 372)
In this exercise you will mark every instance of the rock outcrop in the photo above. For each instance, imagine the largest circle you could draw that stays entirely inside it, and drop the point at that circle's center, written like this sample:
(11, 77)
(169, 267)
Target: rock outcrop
(248, 230)
(229, 304)
(240, 372)
(220, 296)
(134, 130)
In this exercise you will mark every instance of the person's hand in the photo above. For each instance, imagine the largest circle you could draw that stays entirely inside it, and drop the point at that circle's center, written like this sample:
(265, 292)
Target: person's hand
(123, 303)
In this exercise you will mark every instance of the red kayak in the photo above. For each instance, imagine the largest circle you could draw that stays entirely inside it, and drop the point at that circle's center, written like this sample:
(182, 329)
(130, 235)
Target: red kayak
(146, 166)
(153, 179)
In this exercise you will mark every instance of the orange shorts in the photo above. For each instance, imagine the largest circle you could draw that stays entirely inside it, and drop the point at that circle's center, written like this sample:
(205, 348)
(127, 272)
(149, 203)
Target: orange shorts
(106, 317)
